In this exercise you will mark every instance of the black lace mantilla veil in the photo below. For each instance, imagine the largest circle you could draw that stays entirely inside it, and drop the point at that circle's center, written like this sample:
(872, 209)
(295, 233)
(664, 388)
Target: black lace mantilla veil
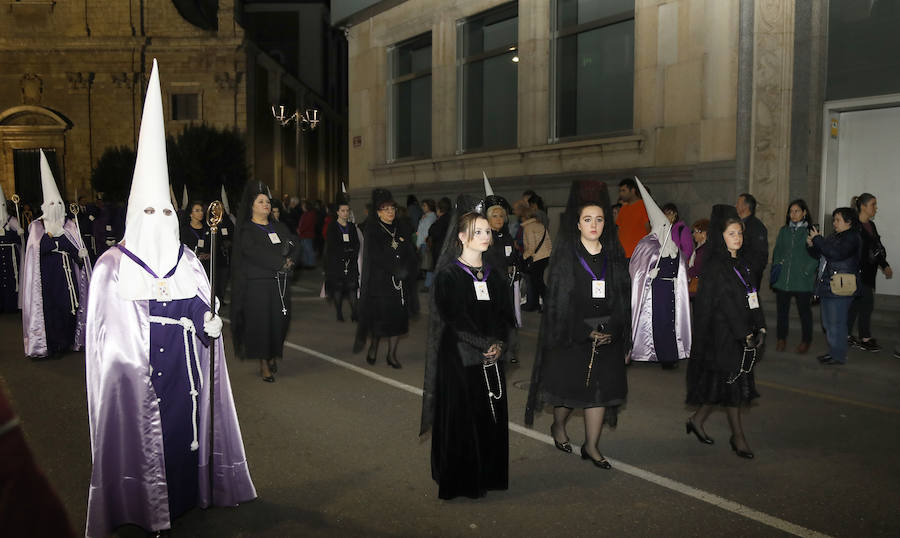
(244, 211)
(557, 317)
(449, 253)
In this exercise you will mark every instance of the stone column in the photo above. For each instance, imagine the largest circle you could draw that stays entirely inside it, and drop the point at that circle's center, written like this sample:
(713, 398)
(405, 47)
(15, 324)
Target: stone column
(773, 66)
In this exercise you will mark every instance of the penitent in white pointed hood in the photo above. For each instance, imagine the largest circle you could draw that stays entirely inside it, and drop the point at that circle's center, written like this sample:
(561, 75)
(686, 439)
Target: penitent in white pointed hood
(53, 208)
(659, 223)
(151, 225)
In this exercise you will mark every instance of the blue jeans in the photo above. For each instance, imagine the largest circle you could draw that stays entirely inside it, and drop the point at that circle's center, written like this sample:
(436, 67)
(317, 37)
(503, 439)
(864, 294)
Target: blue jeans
(307, 253)
(834, 321)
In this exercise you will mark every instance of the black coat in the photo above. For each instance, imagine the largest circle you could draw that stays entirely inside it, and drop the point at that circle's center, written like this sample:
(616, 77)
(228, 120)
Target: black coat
(341, 258)
(436, 235)
(841, 252)
(756, 248)
(873, 255)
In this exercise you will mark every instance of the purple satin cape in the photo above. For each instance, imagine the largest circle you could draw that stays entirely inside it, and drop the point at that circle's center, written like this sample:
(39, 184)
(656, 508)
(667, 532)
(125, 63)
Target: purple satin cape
(643, 259)
(128, 482)
(32, 301)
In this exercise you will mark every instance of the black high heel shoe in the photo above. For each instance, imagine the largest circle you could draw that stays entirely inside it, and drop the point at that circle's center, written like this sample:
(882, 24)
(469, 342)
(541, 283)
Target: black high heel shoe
(741, 453)
(565, 446)
(703, 438)
(371, 355)
(602, 463)
(393, 362)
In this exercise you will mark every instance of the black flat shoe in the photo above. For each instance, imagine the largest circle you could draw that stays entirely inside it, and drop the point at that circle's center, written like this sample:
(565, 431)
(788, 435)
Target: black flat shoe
(602, 463)
(741, 453)
(269, 379)
(703, 438)
(824, 358)
(393, 362)
(370, 356)
(565, 446)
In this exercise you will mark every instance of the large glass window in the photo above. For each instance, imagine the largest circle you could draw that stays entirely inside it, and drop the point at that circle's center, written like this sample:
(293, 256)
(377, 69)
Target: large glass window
(410, 87)
(488, 78)
(593, 69)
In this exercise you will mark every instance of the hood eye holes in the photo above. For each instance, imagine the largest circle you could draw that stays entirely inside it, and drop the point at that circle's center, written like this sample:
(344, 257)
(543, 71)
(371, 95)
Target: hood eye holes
(149, 211)
(167, 212)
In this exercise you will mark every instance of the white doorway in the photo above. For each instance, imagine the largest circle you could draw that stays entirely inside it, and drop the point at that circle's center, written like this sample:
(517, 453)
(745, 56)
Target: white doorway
(862, 154)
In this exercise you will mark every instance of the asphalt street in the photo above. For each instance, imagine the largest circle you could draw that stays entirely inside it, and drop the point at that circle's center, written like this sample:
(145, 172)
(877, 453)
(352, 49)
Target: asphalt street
(334, 450)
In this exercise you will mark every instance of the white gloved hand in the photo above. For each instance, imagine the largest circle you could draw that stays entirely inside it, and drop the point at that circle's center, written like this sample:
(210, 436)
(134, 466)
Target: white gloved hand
(82, 253)
(212, 325)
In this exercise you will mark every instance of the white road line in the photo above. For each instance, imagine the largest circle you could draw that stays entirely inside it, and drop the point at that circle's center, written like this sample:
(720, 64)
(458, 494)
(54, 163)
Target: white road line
(637, 472)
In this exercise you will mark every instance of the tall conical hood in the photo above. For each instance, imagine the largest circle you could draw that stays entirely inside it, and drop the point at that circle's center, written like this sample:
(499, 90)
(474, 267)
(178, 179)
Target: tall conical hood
(53, 208)
(488, 191)
(184, 199)
(151, 225)
(225, 204)
(4, 213)
(343, 188)
(659, 223)
(172, 196)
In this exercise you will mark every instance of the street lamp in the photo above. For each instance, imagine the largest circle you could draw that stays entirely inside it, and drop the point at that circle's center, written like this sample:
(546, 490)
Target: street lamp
(306, 120)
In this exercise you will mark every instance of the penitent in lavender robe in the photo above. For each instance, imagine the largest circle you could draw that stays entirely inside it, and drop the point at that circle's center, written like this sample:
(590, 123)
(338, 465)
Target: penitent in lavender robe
(643, 260)
(140, 407)
(10, 265)
(34, 324)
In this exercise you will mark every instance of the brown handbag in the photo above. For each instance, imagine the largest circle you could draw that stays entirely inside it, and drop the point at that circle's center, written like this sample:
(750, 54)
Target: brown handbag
(843, 284)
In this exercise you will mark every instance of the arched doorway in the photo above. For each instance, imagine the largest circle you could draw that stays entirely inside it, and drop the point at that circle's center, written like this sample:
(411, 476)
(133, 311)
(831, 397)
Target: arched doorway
(24, 130)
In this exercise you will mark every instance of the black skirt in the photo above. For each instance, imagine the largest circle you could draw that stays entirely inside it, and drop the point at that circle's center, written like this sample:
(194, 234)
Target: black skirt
(708, 386)
(390, 316)
(265, 326)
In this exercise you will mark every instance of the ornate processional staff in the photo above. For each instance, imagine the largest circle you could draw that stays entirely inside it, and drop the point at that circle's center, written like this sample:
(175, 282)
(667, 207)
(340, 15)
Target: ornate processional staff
(214, 216)
(73, 207)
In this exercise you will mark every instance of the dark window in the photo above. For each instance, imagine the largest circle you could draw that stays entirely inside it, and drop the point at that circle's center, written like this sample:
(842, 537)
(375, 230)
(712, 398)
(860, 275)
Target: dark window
(185, 106)
(594, 67)
(410, 65)
(488, 74)
(862, 48)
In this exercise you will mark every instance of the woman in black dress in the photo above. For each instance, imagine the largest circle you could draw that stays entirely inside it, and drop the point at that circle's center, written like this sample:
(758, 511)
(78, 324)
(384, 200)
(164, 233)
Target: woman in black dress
(729, 332)
(586, 329)
(388, 285)
(263, 257)
(341, 267)
(465, 385)
(195, 234)
(503, 256)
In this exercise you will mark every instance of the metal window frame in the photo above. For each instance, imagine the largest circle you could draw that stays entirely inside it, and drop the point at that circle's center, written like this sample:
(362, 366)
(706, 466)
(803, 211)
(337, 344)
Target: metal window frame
(556, 34)
(392, 129)
(462, 61)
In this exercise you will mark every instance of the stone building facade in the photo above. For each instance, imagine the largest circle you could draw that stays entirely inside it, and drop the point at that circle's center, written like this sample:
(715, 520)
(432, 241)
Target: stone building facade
(713, 107)
(73, 76)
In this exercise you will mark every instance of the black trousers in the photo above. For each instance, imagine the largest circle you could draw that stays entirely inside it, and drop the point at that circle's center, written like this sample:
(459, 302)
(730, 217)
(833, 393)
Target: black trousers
(536, 285)
(804, 308)
(862, 307)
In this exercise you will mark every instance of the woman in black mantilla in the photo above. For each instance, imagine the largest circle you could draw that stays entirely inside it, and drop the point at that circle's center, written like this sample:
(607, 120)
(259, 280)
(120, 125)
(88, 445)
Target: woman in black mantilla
(195, 233)
(341, 255)
(465, 385)
(388, 287)
(263, 257)
(586, 329)
(729, 332)
(503, 256)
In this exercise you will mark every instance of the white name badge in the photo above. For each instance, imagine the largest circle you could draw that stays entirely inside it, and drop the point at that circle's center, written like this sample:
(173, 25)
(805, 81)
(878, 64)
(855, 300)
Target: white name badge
(346, 237)
(753, 300)
(161, 290)
(508, 250)
(598, 289)
(200, 243)
(273, 237)
(91, 218)
(481, 291)
(108, 228)
(225, 232)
